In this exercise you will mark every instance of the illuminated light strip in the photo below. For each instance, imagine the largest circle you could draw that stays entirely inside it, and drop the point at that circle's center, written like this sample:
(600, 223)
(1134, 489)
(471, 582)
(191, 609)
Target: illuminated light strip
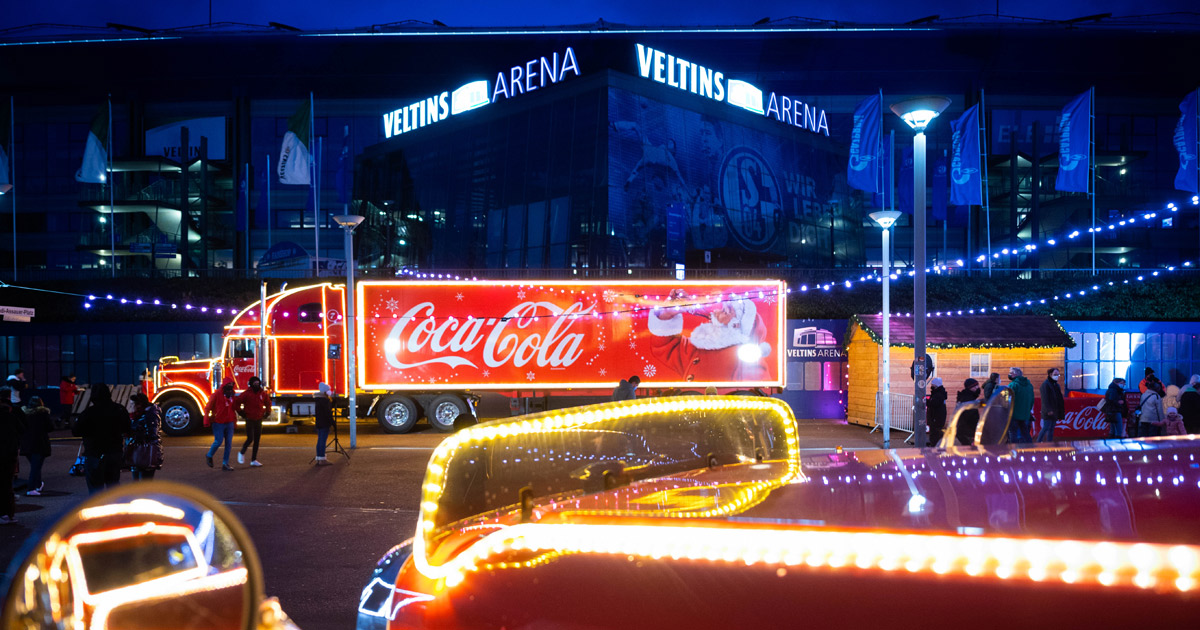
(79, 576)
(1164, 568)
(388, 610)
(596, 32)
(102, 40)
(552, 422)
(197, 394)
(154, 590)
(136, 506)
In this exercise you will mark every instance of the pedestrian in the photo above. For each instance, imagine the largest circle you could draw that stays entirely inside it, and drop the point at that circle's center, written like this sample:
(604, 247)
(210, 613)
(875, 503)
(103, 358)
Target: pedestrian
(1022, 407)
(12, 425)
(968, 419)
(626, 389)
(1115, 408)
(67, 391)
(102, 426)
(989, 387)
(146, 451)
(1147, 380)
(16, 384)
(35, 443)
(324, 421)
(711, 390)
(220, 414)
(1189, 404)
(1172, 423)
(1053, 406)
(1171, 396)
(254, 405)
(1150, 421)
(936, 411)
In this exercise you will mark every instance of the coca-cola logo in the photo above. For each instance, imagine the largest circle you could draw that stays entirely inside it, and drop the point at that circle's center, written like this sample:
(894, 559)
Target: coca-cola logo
(513, 338)
(1086, 419)
(243, 369)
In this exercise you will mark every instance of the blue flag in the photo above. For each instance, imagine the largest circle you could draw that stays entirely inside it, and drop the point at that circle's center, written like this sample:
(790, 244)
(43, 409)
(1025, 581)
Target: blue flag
(938, 189)
(242, 211)
(262, 211)
(904, 185)
(1185, 144)
(863, 172)
(882, 198)
(342, 178)
(965, 182)
(1074, 139)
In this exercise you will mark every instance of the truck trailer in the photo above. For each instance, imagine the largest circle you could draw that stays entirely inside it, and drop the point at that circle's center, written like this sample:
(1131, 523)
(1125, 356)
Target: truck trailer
(428, 349)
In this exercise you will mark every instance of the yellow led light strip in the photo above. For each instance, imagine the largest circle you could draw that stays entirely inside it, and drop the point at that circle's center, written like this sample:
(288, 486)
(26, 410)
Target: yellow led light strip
(780, 291)
(1143, 565)
(146, 593)
(553, 422)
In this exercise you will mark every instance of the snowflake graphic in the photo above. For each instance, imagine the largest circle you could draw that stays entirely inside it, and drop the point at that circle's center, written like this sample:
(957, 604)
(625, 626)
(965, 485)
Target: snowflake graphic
(530, 375)
(603, 371)
(649, 370)
(392, 304)
(486, 373)
(520, 294)
(610, 296)
(459, 297)
(632, 345)
(600, 346)
(770, 298)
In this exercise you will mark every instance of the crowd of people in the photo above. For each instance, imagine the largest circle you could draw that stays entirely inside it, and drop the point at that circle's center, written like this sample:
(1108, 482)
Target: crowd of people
(1163, 409)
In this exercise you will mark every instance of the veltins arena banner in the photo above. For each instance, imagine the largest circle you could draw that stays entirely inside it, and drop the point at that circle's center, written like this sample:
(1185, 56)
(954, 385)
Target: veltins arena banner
(481, 335)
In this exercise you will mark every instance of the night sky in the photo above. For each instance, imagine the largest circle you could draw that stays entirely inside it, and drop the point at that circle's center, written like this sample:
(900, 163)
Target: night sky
(346, 14)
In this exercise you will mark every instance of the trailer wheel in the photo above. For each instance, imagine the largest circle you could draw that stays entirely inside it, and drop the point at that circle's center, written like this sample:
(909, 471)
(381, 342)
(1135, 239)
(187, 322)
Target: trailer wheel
(444, 410)
(180, 415)
(397, 414)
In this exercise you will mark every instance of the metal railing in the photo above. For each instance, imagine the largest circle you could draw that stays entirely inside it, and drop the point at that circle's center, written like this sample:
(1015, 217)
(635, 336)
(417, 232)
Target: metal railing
(901, 409)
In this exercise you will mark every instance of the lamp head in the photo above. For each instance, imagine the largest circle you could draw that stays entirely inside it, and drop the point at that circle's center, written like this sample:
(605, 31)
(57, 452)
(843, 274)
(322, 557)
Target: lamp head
(919, 112)
(885, 218)
(348, 221)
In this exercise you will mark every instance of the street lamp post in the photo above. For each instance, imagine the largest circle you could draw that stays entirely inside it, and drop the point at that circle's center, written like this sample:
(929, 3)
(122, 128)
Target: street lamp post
(918, 113)
(348, 223)
(886, 219)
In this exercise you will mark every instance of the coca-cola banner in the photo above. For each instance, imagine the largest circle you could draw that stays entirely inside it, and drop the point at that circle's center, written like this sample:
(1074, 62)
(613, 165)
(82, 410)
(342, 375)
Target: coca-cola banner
(487, 335)
(1082, 422)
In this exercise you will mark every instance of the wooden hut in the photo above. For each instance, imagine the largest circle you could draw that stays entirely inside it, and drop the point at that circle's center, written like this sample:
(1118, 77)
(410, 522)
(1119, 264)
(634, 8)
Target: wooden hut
(961, 348)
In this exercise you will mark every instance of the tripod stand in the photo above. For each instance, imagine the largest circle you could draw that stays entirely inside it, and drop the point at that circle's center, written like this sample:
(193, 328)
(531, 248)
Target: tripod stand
(332, 445)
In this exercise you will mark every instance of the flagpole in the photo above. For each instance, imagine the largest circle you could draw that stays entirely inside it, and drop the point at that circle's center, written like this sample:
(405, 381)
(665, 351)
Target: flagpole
(268, 201)
(879, 178)
(112, 214)
(987, 197)
(312, 183)
(245, 190)
(12, 161)
(1092, 164)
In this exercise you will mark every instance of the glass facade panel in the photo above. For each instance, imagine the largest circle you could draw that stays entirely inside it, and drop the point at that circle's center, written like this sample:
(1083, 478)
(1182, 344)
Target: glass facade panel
(1091, 343)
(1121, 346)
(1106, 346)
(1076, 353)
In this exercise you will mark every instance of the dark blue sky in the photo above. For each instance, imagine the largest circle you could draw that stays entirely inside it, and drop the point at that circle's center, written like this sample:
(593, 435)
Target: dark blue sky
(311, 15)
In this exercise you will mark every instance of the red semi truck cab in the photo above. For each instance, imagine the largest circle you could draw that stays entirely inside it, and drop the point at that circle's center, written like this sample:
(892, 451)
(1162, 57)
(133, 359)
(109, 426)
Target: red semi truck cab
(426, 348)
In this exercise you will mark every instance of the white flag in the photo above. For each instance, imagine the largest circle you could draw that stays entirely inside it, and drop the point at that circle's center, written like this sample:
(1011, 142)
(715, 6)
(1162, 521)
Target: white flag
(294, 158)
(95, 154)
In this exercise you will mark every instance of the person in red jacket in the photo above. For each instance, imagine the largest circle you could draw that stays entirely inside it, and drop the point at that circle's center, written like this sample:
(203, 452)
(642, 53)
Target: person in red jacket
(219, 412)
(254, 405)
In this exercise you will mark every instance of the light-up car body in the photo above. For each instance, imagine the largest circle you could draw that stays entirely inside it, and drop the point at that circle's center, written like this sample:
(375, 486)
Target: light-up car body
(703, 512)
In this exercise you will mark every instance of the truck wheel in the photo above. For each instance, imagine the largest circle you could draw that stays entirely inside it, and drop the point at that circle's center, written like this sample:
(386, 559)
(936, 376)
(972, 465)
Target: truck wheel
(180, 415)
(444, 410)
(397, 414)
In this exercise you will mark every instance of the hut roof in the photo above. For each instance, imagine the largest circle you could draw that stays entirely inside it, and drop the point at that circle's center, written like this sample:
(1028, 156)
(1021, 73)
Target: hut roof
(976, 331)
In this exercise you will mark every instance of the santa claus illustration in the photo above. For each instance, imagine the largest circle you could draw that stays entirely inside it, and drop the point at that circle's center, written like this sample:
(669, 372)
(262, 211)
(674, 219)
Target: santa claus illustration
(727, 341)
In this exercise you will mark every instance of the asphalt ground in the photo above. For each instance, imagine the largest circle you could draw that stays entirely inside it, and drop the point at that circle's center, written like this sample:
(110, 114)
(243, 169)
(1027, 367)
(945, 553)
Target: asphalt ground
(318, 530)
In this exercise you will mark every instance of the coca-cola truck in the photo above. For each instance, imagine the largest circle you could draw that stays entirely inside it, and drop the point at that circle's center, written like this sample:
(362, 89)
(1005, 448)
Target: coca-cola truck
(430, 348)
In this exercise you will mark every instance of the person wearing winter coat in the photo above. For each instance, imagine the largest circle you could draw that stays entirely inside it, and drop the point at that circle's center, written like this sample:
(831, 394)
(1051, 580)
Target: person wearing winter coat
(35, 443)
(1145, 382)
(1153, 413)
(935, 411)
(219, 412)
(625, 390)
(1171, 396)
(968, 420)
(146, 427)
(254, 405)
(1022, 410)
(102, 426)
(324, 421)
(12, 426)
(1115, 409)
(989, 387)
(1053, 407)
(1172, 423)
(1189, 404)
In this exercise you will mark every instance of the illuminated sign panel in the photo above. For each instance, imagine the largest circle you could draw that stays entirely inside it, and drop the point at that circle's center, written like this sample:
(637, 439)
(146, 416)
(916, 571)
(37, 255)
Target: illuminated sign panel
(413, 335)
(676, 72)
(520, 79)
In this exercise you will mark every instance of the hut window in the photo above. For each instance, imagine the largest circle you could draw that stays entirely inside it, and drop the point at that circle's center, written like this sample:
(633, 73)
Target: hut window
(981, 364)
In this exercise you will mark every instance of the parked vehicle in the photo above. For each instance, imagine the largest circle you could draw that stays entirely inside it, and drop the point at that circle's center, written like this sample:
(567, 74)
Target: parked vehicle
(428, 349)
